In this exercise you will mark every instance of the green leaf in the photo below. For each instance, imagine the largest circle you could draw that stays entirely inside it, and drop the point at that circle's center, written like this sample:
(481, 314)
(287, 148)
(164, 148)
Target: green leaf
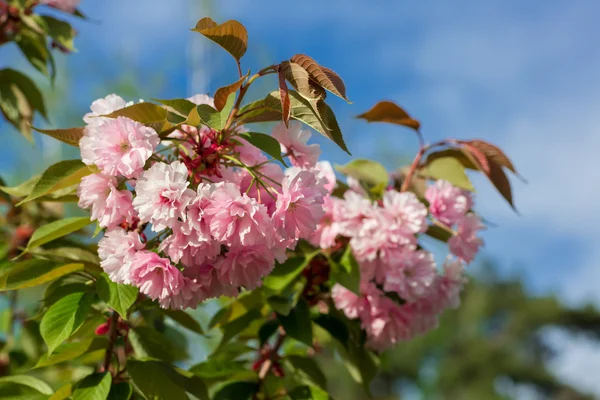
(309, 368)
(315, 114)
(284, 274)
(213, 118)
(336, 328)
(150, 378)
(308, 392)
(217, 369)
(184, 319)
(64, 318)
(117, 296)
(148, 342)
(298, 324)
(346, 272)
(236, 326)
(34, 272)
(93, 387)
(58, 176)
(266, 143)
(280, 304)
(367, 171)
(56, 229)
(448, 168)
(230, 35)
(440, 233)
(69, 136)
(145, 113)
(68, 254)
(62, 32)
(22, 190)
(120, 391)
(69, 351)
(33, 47)
(267, 330)
(181, 106)
(361, 363)
(237, 391)
(29, 381)
(63, 393)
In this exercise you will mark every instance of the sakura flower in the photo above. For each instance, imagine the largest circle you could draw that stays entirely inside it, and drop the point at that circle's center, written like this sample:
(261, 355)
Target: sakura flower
(406, 209)
(155, 276)
(245, 266)
(109, 206)
(347, 301)
(118, 146)
(465, 244)
(329, 227)
(327, 174)
(448, 203)
(235, 218)
(104, 106)
(189, 296)
(116, 250)
(294, 141)
(162, 195)
(412, 276)
(299, 206)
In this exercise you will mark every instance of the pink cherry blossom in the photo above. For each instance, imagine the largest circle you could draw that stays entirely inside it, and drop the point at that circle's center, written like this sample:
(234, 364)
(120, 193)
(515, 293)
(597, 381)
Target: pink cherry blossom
(245, 266)
(116, 249)
(272, 175)
(64, 5)
(465, 244)
(448, 203)
(118, 146)
(406, 209)
(347, 301)
(104, 106)
(329, 227)
(299, 206)
(109, 206)
(190, 294)
(155, 276)
(325, 171)
(162, 195)
(412, 276)
(294, 141)
(236, 219)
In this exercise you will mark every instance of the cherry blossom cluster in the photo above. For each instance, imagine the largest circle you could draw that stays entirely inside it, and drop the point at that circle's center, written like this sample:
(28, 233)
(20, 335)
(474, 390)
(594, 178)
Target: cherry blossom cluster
(199, 213)
(401, 292)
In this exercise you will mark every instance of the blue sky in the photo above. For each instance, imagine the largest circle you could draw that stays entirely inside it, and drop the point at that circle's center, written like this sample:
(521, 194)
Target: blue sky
(523, 75)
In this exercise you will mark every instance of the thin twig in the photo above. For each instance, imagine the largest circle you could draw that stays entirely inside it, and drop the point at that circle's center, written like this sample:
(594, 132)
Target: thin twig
(112, 338)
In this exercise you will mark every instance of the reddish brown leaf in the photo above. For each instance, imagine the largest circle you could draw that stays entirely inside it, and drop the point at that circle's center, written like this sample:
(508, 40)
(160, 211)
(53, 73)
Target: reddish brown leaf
(286, 109)
(479, 157)
(230, 35)
(300, 80)
(69, 136)
(493, 153)
(223, 93)
(325, 77)
(500, 182)
(387, 111)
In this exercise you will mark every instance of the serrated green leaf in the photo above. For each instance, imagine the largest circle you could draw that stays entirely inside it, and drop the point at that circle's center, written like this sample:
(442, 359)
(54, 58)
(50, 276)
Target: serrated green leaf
(336, 328)
(145, 113)
(61, 31)
(233, 328)
(346, 272)
(56, 229)
(308, 392)
(309, 368)
(70, 136)
(298, 324)
(66, 254)
(148, 342)
(58, 176)
(34, 272)
(284, 274)
(237, 391)
(63, 393)
(117, 296)
(93, 387)
(450, 169)
(181, 106)
(213, 118)
(22, 190)
(120, 391)
(368, 171)
(29, 381)
(184, 319)
(217, 369)
(69, 351)
(33, 47)
(64, 318)
(266, 143)
(150, 379)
